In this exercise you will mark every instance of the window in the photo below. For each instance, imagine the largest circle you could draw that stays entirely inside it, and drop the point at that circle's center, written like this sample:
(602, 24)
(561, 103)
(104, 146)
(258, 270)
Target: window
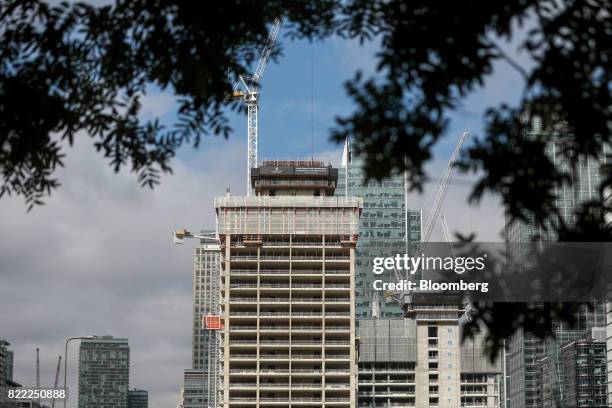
(432, 331)
(433, 377)
(433, 365)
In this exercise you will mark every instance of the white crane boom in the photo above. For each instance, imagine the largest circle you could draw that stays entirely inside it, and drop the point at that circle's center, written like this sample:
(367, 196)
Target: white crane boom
(447, 234)
(250, 96)
(265, 54)
(441, 193)
(179, 235)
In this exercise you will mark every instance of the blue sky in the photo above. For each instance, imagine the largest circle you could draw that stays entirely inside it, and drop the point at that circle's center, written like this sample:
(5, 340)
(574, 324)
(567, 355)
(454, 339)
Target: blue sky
(310, 78)
(286, 125)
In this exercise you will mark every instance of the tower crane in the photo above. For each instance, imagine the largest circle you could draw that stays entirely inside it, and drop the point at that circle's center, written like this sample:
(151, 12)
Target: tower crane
(435, 210)
(441, 193)
(247, 90)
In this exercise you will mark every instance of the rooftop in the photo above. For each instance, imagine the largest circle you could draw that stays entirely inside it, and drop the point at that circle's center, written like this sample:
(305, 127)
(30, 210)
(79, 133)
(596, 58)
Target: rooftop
(294, 163)
(288, 201)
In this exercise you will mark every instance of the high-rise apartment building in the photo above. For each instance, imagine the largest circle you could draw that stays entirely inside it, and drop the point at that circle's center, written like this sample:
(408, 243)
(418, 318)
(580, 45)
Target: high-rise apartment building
(202, 380)
(583, 377)
(104, 372)
(287, 284)
(609, 348)
(449, 373)
(387, 362)
(138, 399)
(524, 350)
(385, 222)
(581, 374)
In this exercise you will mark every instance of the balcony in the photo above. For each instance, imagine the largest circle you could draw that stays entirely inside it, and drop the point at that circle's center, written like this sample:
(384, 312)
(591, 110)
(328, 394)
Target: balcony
(337, 328)
(236, 356)
(265, 356)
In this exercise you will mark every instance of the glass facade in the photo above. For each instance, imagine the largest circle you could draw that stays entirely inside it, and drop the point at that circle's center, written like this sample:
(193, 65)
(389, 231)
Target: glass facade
(585, 182)
(381, 231)
(524, 350)
(205, 347)
(138, 399)
(104, 372)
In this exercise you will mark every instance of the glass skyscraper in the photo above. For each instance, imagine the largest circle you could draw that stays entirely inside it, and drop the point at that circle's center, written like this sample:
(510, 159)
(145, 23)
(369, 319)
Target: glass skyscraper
(382, 229)
(524, 350)
(200, 382)
(104, 372)
(138, 399)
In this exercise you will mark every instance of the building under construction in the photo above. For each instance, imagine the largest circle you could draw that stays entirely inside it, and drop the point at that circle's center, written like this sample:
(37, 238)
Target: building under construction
(287, 285)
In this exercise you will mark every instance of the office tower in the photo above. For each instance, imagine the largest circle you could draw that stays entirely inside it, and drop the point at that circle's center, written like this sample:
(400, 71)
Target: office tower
(138, 398)
(384, 223)
(525, 350)
(104, 371)
(201, 381)
(287, 281)
(194, 391)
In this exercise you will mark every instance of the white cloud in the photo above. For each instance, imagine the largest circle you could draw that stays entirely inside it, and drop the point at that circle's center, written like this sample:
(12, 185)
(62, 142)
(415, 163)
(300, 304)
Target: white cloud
(157, 104)
(98, 259)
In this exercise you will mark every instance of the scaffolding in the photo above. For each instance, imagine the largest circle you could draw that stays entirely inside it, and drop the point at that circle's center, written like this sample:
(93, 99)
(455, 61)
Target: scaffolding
(288, 215)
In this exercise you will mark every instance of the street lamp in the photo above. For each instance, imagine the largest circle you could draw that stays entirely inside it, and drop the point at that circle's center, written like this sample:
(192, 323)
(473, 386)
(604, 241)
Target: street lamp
(68, 340)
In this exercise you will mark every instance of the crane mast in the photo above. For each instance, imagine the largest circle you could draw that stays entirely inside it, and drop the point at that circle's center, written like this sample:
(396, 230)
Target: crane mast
(249, 94)
(59, 364)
